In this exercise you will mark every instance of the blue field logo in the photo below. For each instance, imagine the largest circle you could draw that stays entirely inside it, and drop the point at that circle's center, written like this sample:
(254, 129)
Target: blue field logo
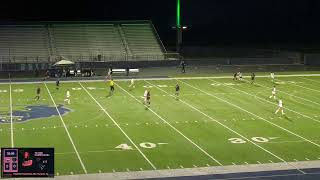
(33, 112)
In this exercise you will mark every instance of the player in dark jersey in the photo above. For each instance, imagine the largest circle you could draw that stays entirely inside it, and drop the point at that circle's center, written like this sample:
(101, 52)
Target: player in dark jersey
(38, 94)
(235, 76)
(177, 91)
(148, 98)
(57, 84)
(252, 77)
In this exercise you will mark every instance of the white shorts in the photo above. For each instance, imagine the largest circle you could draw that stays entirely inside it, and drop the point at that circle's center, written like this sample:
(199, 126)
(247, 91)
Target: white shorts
(273, 93)
(280, 106)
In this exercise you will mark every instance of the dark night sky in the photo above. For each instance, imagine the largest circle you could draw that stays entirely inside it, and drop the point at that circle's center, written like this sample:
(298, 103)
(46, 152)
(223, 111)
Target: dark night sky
(212, 21)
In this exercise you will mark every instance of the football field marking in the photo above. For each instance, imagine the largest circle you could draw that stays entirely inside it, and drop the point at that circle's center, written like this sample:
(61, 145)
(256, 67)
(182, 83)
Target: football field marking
(11, 117)
(166, 78)
(312, 80)
(230, 129)
(288, 94)
(65, 127)
(265, 120)
(123, 132)
(270, 102)
(179, 132)
(301, 86)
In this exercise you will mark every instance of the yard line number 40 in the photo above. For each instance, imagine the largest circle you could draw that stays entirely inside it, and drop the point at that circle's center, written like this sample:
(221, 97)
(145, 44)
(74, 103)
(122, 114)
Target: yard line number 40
(146, 145)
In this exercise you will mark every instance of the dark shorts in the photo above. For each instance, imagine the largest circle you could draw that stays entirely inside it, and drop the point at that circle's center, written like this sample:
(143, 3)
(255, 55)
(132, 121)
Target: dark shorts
(112, 88)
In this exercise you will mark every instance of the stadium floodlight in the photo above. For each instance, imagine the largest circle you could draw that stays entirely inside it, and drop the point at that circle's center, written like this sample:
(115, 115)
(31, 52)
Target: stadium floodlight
(178, 27)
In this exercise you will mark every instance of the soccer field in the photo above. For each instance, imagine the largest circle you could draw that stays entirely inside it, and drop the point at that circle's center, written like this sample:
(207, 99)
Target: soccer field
(215, 122)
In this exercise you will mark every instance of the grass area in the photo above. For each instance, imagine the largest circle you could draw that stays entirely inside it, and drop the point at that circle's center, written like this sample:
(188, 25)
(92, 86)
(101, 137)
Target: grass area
(215, 122)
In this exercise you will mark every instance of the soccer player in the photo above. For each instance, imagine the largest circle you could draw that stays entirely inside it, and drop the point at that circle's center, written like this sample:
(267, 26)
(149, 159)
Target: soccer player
(177, 91)
(183, 66)
(67, 96)
(38, 94)
(280, 107)
(235, 76)
(273, 94)
(145, 97)
(111, 84)
(132, 84)
(57, 84)
(272, 76)
(252, 77)
(148, 98)
(240, 75)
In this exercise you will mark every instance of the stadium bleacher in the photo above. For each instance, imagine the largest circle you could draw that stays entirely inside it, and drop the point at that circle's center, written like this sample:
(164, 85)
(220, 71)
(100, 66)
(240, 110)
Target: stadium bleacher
(101, 41)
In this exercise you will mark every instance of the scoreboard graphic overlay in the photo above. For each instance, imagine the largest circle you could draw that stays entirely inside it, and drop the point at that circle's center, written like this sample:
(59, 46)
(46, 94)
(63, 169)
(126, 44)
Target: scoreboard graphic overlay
(27, 162)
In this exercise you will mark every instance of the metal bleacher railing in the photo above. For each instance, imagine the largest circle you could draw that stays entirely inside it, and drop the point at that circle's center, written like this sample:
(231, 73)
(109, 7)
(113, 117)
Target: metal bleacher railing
(79, 42)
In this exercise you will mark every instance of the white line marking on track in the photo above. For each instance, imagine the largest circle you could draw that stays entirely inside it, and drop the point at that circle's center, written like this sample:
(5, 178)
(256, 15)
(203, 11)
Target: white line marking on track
(237, 132)
(309, 79)
(194, 108)
(289, 94)
(65, 127)
(123, 132)
(179, 132)
(271, 161)
(268, 101)
(238, 107)
(11, 118)
(303, 87)
(173, 78)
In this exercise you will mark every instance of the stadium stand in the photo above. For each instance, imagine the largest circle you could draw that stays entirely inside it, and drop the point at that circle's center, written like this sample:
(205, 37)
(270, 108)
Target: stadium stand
(23, 43)
(142, 41)
(84, 41)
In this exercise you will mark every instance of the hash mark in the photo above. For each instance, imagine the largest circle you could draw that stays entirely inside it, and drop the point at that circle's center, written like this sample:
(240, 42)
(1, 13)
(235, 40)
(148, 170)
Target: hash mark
(246, 162)
(141, 169)
(271, 161)
(307, 159)
(195, 166)
(208, 165)
(168, 167)
(128, 170)
(259, 162)
(234, 163)
(113, 170)
(181, 166)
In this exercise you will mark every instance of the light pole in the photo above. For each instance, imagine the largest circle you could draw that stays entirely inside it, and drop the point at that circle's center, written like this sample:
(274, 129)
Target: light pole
(178, 28)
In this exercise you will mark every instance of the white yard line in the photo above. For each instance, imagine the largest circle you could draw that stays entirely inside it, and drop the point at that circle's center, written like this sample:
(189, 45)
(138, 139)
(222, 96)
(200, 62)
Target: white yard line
(11, 117)
(123, 132)
(166, 78)
(238, 107)
(228, 128)
(65, 127)
(267, 101)
(179, 132)
(301, 86)
(290, 94)
(309, 79)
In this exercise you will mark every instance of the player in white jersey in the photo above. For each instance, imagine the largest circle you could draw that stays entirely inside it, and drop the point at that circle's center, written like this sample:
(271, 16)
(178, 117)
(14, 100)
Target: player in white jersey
(132, 84)
(280, 107)
(273, 93)
(145, 96)
(67, 97)
(272, 76)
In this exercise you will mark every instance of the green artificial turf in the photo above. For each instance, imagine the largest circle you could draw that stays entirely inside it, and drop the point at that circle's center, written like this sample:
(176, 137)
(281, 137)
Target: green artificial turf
(215, 122)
